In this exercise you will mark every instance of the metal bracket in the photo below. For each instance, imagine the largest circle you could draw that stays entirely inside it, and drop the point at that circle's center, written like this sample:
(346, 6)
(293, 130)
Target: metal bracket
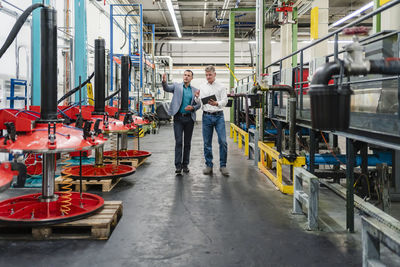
(96, 127)
(11, 132)
(79, 121)
(87, 129)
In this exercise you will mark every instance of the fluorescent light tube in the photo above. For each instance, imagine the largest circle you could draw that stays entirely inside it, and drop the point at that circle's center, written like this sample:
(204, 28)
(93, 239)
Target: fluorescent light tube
(173, 17)
(254, 42)
(195, 42)
(351, 15)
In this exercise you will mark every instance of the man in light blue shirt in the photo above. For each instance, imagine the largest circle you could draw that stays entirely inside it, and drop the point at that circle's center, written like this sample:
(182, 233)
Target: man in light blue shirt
(183, 109)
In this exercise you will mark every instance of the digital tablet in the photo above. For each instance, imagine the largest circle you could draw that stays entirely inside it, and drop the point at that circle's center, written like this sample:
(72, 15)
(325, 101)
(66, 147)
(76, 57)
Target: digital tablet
(207, 98)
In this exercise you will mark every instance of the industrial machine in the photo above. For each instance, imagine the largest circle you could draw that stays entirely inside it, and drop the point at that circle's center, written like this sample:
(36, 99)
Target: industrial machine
(125, 115)
(46, 134)
(104, 123)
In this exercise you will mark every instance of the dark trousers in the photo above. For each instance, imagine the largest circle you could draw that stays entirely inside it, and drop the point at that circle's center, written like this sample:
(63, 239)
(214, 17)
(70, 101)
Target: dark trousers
(183, 130)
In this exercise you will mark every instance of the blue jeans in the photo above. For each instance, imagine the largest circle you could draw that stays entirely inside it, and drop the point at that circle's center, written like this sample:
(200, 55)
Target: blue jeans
(209, 123)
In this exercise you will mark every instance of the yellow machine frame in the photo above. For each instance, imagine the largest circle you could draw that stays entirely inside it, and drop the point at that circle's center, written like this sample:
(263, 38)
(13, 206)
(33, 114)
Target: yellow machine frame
(267, 154)
(236, 133)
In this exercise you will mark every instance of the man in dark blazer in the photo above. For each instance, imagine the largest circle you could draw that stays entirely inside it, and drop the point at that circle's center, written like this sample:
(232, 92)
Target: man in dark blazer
(183, 109)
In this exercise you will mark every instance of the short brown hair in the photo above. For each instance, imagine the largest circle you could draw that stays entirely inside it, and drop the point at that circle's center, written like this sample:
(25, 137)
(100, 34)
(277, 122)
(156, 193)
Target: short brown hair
(210, 68)
(189, 71)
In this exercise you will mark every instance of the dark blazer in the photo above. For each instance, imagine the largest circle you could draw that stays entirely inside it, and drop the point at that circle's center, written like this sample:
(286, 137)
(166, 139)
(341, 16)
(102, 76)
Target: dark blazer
(177, 90)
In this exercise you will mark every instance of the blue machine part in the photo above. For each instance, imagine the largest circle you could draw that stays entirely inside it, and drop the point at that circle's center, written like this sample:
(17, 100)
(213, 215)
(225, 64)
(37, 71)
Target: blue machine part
(373, 159)
(304, 132)
(34, 181)
(12, 96)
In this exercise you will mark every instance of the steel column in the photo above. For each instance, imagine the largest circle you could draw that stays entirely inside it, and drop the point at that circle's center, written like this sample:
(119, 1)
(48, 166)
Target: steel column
(350, 154)
(364, 168)
(48, 176)
(232, 49)
(376, 20)
(294, 38)
(313, 150)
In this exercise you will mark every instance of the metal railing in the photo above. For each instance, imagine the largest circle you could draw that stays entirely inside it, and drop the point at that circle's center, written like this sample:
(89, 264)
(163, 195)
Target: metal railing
(309, 198)
(238, 135)
(374, 234)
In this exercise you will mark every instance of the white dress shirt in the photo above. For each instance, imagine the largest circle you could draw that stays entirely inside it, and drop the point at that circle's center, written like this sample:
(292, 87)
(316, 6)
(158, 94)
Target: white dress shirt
(217, 89)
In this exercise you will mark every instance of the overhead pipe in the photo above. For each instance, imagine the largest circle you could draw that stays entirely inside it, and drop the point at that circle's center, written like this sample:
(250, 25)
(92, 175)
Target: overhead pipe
(292, 112)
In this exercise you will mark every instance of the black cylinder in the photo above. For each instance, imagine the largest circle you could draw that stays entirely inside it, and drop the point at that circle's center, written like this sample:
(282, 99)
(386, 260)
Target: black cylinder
(48, 76)
(124, 84)
(99, 76)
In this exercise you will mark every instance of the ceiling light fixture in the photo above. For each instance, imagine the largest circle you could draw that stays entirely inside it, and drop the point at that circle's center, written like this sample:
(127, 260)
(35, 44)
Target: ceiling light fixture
(351, 15)
(173, 17)
(195, 42)
(254, 42)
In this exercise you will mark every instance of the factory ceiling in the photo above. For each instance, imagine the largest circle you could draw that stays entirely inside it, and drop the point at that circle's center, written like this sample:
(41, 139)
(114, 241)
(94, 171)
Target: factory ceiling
(209, 18)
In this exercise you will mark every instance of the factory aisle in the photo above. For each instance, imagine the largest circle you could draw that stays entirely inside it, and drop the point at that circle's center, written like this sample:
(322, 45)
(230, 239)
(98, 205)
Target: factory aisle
(193, 220)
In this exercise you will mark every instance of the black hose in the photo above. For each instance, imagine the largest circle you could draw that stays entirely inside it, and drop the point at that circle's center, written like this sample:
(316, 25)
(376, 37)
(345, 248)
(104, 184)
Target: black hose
(73, 91)
(126, 17)
(112, 95)
(324, 74)
(385, 66)
(17, 27)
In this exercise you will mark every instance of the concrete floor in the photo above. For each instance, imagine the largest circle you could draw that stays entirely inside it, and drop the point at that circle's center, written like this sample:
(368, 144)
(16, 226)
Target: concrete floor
(196, 220)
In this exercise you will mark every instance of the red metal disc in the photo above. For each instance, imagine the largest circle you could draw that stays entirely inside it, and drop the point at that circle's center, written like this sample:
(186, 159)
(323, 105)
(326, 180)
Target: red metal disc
(132, 125)
(67, 139)
(127, 154)
(140, 121)
(34, 164)
(91, 172)
(30, 210)
(6, 175)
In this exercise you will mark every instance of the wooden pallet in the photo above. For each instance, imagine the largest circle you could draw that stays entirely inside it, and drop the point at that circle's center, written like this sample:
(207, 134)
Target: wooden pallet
(106, 185)
(131, 162)
(97, 226)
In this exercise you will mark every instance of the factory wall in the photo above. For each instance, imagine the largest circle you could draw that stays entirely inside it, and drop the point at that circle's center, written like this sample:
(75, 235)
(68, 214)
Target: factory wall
(8, 63)
(97, 26)
(223, 76)
(205, 54)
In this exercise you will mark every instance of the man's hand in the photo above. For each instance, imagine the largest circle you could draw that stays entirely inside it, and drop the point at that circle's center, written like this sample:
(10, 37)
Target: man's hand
(164, 78)
(189, 108)
(213, 103)
(197, 93)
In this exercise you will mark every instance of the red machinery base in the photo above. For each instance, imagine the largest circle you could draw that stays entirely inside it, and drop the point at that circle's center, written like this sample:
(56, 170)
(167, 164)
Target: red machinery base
(92, 172)
(127, 154)
(30, 210)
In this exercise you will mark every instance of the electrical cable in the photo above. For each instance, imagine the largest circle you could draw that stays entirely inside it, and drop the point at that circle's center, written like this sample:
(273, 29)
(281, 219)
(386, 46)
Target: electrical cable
(17, 27)
(329, 148)
(126, 17)
(73, 91)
